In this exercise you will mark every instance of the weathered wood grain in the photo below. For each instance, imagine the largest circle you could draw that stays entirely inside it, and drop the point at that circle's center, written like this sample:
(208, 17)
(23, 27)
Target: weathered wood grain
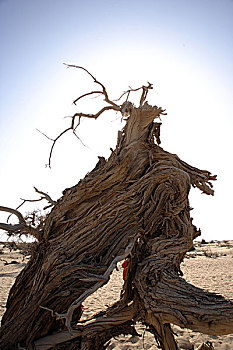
(138, 197)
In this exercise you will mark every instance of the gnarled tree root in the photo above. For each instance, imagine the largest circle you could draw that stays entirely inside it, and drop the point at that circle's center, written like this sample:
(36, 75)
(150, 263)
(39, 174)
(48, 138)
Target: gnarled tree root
(116, 320)
(175, 301)
(178, 302)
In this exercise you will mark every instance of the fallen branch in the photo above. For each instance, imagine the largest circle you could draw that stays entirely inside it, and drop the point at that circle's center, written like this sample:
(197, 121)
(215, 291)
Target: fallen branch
(103, 280)
(119, 315)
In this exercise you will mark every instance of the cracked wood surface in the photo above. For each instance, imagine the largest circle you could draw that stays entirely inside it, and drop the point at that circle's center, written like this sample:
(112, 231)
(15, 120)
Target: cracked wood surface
(140, 192)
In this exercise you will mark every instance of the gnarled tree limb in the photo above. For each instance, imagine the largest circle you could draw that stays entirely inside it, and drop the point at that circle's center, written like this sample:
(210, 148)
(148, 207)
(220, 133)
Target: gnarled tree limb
(143, 95)
(102, 280)
(118, 315)
(22, 227)
(178, 302)
(104, 91)
(141, 190)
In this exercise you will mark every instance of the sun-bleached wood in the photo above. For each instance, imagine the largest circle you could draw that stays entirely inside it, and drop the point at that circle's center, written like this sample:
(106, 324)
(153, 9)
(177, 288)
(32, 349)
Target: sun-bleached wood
(138, 198)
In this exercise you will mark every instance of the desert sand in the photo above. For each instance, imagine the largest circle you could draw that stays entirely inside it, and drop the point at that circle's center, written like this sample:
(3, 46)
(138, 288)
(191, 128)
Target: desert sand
(209, 266)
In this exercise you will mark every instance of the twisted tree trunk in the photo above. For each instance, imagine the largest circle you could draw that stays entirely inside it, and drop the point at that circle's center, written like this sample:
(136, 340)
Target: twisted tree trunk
(133, 205)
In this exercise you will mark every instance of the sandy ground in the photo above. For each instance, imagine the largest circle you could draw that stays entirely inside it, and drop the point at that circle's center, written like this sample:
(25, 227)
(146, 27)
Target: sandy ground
(209, 266)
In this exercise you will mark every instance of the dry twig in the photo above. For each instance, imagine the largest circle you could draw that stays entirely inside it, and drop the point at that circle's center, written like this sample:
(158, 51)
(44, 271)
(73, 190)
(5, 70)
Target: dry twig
(21, 228)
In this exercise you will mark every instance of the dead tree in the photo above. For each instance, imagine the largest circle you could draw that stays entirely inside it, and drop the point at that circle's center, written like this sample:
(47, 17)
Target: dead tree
(134, 204)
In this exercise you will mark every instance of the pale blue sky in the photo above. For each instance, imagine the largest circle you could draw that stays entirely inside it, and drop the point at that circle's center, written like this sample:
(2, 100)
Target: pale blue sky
(184, 47)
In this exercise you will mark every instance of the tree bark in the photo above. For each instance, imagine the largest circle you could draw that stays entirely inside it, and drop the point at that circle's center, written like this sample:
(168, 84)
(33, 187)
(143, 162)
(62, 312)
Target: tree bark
(138, 198)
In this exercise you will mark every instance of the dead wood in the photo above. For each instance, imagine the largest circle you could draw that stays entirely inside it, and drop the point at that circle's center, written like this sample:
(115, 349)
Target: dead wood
(21, 228)
(206, 346)
(134, 204)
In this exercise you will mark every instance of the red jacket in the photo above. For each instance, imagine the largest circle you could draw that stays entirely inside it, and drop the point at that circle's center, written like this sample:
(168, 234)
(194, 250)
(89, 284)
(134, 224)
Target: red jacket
(125, 268)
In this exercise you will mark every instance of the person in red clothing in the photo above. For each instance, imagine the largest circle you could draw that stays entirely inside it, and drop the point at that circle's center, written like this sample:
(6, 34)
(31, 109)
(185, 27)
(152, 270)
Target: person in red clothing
(125, 268)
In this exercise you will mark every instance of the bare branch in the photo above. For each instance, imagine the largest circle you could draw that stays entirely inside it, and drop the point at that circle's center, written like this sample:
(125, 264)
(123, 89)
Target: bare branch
(79, 67)
(45, 135)
(55, 140)
(87, 94)
(95, 116)
(102, 280)
(118, 316)
(112, 106)
(15, 212)
(128, 93)
(16, 209)
(143, 96)
(74, 132)
(144, 93)
(104, 92)
(28, 200)
(45, 196)
(17, 228)
(88, 292)
(73, 127)
(22, 227)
